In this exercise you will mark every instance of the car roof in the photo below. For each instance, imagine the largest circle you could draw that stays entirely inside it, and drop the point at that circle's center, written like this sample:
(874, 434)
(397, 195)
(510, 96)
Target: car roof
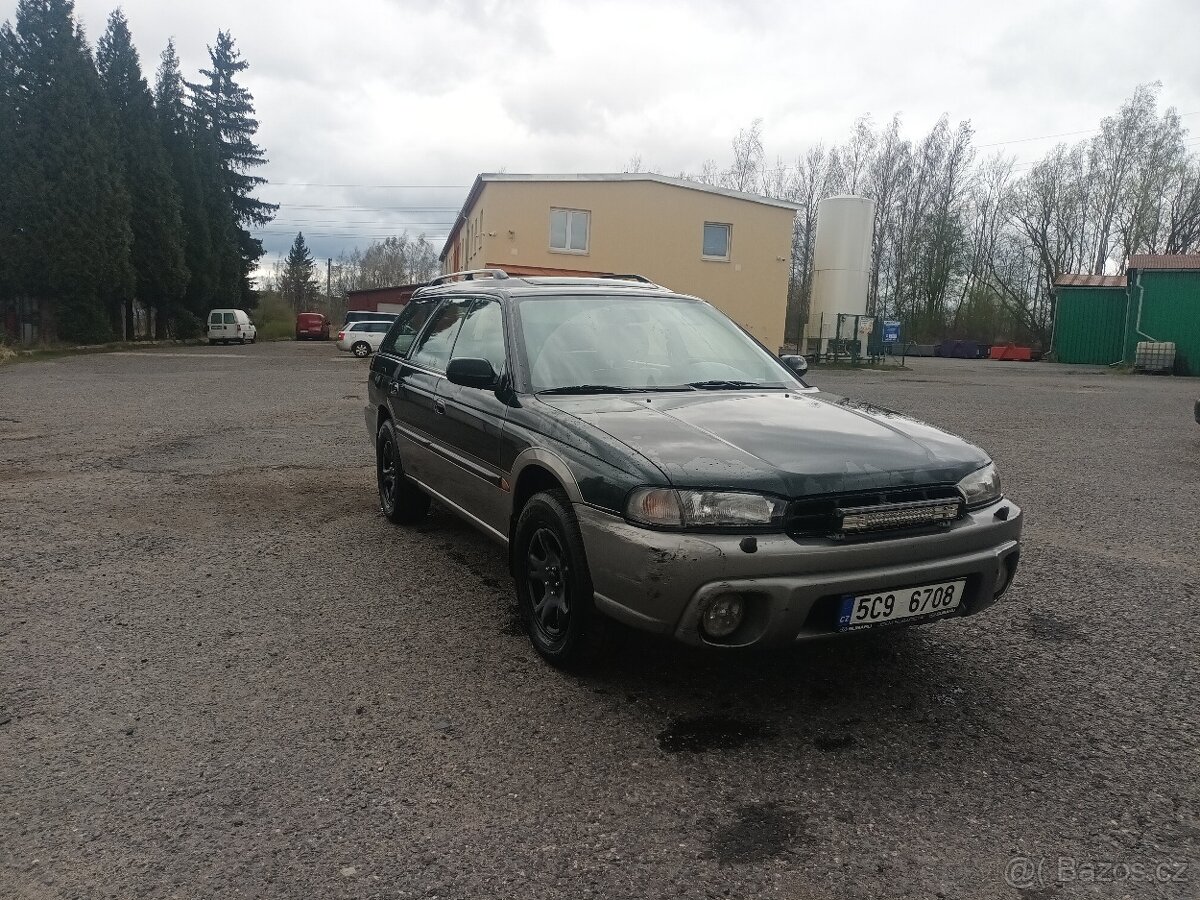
(495, 282)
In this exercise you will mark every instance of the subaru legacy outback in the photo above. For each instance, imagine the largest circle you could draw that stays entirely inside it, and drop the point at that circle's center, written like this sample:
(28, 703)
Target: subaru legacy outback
(646, 460)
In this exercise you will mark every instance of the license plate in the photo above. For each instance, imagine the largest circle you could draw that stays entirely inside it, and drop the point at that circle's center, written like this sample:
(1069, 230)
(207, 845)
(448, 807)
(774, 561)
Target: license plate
(881, 607)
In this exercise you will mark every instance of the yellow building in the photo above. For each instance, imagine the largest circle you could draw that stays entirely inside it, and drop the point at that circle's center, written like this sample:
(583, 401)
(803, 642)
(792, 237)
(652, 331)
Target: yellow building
(728, 247)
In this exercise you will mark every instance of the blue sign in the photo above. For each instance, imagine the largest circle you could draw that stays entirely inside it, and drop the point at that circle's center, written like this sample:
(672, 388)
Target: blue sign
(891, 332)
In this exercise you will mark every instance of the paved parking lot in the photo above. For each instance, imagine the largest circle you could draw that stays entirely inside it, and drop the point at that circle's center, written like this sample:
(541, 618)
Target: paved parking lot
(223, 673)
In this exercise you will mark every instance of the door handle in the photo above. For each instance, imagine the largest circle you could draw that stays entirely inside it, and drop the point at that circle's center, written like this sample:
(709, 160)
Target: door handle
(439, 406)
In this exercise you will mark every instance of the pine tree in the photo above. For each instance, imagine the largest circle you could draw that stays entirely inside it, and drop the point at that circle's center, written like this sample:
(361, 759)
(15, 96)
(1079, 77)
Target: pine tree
(227, 110)
(160, 274)
(298, 284)
(66, 211)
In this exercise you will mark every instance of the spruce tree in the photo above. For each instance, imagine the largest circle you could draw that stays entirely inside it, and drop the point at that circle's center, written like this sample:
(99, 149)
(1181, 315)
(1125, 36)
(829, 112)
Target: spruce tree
(160, 274)
(66, 211)
(178, 130)
(298, 284)
(10, 155)
(227, 109)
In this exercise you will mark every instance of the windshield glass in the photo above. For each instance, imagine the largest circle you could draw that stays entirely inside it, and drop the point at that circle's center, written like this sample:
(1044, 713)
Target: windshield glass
(639, 343)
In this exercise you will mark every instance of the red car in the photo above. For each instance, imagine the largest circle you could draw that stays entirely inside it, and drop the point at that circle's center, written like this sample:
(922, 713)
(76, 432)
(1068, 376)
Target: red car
(312, 326)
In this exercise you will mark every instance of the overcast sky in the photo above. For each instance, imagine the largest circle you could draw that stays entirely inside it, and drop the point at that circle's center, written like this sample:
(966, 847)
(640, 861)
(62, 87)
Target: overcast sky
(376, 113)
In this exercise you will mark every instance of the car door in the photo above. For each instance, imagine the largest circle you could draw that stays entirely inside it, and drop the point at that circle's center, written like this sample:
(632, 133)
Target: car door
(388, 379)
(469, 422)
(417, 377)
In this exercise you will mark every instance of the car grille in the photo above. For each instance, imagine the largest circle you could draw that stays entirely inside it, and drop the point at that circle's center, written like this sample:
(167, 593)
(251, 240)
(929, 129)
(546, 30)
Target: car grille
(874, 513)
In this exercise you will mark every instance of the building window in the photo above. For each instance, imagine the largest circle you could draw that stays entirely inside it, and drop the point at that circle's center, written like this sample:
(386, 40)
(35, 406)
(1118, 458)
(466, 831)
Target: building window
(716, 240)
(569, 230)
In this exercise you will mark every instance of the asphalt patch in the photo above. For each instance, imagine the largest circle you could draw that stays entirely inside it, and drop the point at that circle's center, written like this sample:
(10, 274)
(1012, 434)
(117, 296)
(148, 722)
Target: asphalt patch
(1047, 628)
(703, 733)
(832, 743)
(758, 832)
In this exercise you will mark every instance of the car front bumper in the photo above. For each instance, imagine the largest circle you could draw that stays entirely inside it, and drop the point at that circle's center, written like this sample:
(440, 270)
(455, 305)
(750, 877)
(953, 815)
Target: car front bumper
(662, 581)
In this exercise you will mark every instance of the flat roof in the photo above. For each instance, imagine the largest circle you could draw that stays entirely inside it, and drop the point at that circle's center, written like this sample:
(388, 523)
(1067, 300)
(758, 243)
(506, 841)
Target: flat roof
(486, 177)
(1084, 280)
(1164, 261)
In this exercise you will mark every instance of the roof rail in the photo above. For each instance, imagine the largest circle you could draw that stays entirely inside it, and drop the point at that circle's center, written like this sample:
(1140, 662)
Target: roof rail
(469, 275)
(629, 277)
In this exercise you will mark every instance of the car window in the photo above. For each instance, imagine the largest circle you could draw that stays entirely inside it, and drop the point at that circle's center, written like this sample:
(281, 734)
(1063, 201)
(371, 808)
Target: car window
(380, 327)
(640, 343)
(230, 319)
(433, 347)
(214, 319)
(482, 334)
(408, 325)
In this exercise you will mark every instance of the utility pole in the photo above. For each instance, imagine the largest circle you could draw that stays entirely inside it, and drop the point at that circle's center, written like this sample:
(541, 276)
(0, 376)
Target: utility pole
(328, 272)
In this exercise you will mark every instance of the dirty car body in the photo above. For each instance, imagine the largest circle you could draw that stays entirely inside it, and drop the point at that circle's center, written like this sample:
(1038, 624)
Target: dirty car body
(717, 497)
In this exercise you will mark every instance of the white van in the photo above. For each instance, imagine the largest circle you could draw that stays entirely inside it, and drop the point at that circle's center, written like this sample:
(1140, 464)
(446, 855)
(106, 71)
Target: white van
(227, 325)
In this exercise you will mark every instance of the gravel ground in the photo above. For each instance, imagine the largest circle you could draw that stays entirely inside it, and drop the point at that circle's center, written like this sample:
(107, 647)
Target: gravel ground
(223, 673)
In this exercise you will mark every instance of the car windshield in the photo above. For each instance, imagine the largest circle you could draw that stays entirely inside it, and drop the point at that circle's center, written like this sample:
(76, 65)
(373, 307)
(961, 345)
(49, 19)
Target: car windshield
(594, 344)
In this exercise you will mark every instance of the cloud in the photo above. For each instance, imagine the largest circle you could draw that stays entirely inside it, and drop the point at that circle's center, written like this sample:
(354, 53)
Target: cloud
(387, 93)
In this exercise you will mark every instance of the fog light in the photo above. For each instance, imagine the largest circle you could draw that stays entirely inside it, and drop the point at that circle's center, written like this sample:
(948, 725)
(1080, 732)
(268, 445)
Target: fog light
(723, 616)
(1008, 571)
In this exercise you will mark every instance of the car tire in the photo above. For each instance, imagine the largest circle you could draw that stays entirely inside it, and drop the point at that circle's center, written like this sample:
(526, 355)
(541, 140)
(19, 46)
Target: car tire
(211, 342)
(554, 586)
(401, 501)
(361, 349)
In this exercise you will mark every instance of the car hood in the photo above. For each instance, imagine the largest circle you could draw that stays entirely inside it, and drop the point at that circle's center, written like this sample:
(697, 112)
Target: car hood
(791, 444)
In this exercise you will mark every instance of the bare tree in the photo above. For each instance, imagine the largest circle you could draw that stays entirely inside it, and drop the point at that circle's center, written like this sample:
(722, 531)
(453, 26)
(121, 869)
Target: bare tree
(857, 154)
(965, 245)
(747, 159)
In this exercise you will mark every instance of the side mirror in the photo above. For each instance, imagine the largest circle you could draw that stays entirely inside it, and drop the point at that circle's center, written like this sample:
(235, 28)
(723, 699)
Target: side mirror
(472, 372)
(798, 364)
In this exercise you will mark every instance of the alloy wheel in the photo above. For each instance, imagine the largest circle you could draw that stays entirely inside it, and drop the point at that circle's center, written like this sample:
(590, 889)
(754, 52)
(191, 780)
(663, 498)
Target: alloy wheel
(547, 572)
(387, 474)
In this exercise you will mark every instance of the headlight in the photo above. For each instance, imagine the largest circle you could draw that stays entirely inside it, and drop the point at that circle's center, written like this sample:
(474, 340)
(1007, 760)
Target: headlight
(981, 487)
(669, 508)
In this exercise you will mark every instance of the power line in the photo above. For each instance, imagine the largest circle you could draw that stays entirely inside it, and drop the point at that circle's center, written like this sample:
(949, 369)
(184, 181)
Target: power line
(1046, 137)
(390, 187)
(448, 209)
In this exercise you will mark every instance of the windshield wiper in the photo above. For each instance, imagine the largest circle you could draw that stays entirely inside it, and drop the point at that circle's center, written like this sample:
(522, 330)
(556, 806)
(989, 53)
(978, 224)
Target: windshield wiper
(614, 389)
(721, 383)
(592, 389)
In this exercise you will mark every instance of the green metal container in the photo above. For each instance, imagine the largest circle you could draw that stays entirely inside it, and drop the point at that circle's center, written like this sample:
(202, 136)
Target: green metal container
(1170, 311)
(1089, 325)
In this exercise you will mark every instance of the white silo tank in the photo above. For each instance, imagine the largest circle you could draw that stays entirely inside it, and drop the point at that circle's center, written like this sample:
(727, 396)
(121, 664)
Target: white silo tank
(841, 266)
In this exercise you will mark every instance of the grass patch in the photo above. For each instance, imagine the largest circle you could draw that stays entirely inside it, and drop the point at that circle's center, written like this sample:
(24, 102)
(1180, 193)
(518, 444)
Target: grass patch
(13, 355)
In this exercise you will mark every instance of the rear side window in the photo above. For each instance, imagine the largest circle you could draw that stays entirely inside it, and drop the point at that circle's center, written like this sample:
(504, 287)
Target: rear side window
(408, 325)
(214, 319)
(433, 352)
(230, 319)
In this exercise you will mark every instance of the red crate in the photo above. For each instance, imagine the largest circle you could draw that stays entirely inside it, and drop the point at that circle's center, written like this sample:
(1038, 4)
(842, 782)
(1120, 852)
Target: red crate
(1013, 352)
